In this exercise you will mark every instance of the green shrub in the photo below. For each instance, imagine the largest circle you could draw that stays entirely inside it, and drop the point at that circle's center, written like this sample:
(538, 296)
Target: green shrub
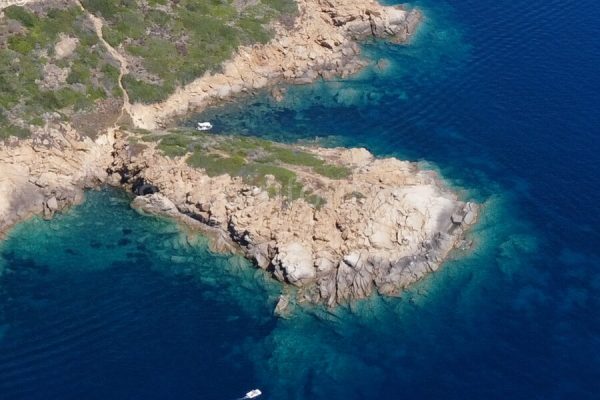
(171, 145)
(215, 165)
(80, 73)
(22, 44)
(111, 72)
(38, 121)
(130, 24)
(315, 200)
(8, 130)
(282, 6)
(295, 157)
(287, 179)
(20, 14)
(254, 31)
(332, 171)
(112, 36)
(66, 97)
(172, 150)
(143, 92)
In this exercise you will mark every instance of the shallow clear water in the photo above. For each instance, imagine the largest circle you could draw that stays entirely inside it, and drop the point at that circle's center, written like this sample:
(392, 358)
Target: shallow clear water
(501, 98)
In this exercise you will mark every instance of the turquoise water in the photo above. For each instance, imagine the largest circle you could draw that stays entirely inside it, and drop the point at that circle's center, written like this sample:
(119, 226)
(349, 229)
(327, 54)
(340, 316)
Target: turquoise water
(500, 98)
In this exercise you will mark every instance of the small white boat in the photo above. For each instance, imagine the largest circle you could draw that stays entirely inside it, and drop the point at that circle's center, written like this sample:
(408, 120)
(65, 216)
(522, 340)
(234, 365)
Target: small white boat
(204, 126)
(253, 394)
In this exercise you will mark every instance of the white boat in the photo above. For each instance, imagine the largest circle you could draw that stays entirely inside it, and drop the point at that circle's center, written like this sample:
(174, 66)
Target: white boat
(204, 126)
(253, 394)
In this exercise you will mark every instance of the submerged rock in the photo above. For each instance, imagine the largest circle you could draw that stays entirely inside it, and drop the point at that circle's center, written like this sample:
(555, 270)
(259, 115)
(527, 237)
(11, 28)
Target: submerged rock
(282, 309)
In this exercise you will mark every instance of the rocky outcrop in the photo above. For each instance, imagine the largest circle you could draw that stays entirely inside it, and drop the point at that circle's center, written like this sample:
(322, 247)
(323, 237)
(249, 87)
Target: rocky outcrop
(48, 173)
(322, 44)
(384, 227)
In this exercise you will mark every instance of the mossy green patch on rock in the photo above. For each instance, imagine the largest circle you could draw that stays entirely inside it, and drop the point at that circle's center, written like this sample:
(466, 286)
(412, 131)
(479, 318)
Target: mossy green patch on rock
(251, 150)
(172, 145)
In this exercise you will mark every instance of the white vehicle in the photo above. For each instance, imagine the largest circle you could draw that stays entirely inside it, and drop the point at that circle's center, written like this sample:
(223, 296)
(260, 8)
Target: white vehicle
(252, 394)
(204, 126)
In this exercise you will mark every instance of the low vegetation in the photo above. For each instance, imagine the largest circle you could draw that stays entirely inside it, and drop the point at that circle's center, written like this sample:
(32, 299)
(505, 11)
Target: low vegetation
(53, 66)
(173, 42)
(252, 159)
(35, 80)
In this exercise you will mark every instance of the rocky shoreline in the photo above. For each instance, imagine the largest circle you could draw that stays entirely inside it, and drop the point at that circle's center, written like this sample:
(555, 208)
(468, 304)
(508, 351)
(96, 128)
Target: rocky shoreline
(49, 173)
(322, 44)
(337, 224)
(384, 226)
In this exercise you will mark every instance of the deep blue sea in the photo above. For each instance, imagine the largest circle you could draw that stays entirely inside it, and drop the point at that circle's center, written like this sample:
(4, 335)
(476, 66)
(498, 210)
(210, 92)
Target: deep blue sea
(503, 98)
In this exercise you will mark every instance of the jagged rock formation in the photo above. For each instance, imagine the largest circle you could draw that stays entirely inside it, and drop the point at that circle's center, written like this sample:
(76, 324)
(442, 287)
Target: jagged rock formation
(48, 173)
(322, 44)
(380, 228)
(383, 227)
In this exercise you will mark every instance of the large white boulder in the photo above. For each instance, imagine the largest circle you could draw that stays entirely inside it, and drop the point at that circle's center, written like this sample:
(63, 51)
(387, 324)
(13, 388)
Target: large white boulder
(297, 262)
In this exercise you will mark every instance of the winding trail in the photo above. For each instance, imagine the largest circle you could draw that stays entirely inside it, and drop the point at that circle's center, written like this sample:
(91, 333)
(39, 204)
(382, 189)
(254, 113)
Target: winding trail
(98, 25)
(123, 66)
(323, 43)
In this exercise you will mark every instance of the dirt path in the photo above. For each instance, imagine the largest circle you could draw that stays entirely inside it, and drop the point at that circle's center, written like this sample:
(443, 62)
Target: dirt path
(322, 44)
(98, 25)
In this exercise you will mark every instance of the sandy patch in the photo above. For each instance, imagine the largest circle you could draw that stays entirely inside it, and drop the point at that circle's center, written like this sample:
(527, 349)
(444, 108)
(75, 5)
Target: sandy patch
(65, 47)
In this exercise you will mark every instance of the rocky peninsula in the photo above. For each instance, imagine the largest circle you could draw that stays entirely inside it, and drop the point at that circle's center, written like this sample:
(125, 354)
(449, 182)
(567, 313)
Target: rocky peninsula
(338, 224)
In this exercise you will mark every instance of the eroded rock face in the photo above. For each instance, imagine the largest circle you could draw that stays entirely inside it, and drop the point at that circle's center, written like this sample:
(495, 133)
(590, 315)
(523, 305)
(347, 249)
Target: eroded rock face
(294, 263)
(47, 173)
(382, 228)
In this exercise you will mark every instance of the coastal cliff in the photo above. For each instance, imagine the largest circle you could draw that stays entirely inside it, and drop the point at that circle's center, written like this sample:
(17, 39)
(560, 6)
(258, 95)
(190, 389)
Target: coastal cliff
(338, 224)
